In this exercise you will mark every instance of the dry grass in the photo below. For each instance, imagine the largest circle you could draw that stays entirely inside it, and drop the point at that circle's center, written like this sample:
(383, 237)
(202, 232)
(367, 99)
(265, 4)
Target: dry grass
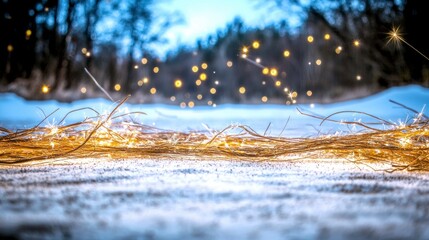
(117, 136)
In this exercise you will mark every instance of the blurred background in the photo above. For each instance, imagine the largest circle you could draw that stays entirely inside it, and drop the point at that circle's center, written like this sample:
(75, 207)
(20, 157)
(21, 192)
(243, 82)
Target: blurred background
(190, 53)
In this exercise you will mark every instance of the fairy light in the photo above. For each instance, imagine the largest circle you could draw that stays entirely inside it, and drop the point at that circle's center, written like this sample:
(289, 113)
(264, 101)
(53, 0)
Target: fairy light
(145, 80)
(327, 36)
(258, 60)
(203, 76)
(198, 82)
(194, 69)
(255, 44)
(117, 87)
(395, 36)
(356, 43)
(88, 54)
(278, 83)
(140, 83)
(204, 65)
(358, 77)
(173, 98)
(274, 72)
(152, 91)
(264, 99)
(45, 89)
(136, 66)
(84, 51)
(242, 90)
(213, 91)
(294, 94)
(183, 105)
(28, 33)
(191, 104)
(178, 83)
(265, 71)
(285, 90)
(338, 50)
(309, 93)
(286, 53)
(10, 48)
(245, 50)
(229, 64)
(156, 69)
(199, 96)
(144, 61)
(243, 55)
(310, 39)
(83, 90)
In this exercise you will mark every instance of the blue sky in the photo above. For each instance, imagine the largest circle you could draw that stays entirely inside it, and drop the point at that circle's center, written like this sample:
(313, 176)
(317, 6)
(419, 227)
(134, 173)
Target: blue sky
(203, 17)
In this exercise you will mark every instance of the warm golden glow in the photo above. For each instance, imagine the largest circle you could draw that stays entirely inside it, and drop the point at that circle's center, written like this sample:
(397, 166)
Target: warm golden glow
(278, 83)
(318, 62)
(310, 39)
(9, 48)
(265, 71)
(191, 104)
(144, 61)
(198, 82)
(156, 69)
(45, 89)
(209, 102)
(199, 96)
(273, 72)
(204, 65)
(356, 43)
(88, 54)
(258, 60)
(136, 66)
(229, 64)
(145, 80)
(294, 94)
(338, 49)
(242, 90)
(178, 83)
(264, 99)
(84, 51)
(213, 90)
(286, 53)
(255, 44)
(203, 76)
(28, 33)
(83, 90)
(327, 36)
(152, 90)
(194, 69)
(245, 50)
(182, 104)
(140, 83)
(358, 77)
(309, 93)
(117, 87)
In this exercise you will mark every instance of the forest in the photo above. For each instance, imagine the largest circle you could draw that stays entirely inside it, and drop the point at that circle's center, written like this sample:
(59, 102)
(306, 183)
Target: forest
(343, 49)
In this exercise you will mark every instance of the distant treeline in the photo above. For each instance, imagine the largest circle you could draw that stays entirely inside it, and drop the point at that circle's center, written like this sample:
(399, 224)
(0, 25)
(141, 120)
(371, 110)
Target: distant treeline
(341, 47)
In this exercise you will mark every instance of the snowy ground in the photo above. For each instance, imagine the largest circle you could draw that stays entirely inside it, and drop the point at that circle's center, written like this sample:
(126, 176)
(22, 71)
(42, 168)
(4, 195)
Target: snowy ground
(194, 199)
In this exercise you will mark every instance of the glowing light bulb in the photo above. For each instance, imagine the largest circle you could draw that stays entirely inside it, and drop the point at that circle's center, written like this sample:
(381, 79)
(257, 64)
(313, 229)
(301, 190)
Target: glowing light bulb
(144, 61)
(213, 90)
(273, 72)
(204, 66)
(265, 71)
(310, 39)
(117, 87)
(203, 76)
(255, 44)
(9, 48)
(194, 69)
(286, 53)
(156, 69)
(242, 90)
(327, 36)
(264, 99)
(83, 90)
(309, 93)
(45, 89)
(178, 83)
(318, 62)
(229, 64)
(152, 91)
